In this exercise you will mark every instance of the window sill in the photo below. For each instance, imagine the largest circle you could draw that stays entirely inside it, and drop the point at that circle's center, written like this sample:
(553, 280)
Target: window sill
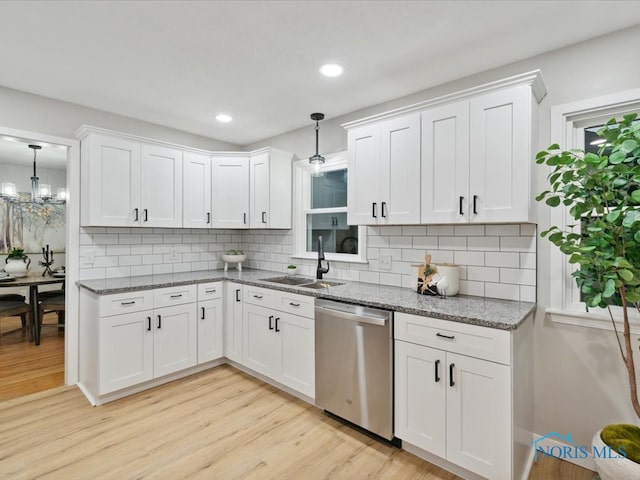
(600, 321)
(330, 258)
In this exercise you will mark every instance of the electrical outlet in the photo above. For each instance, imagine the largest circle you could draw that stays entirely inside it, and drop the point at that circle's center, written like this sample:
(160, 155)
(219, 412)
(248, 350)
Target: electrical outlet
(173, 254)
(384, 262)
(89, 257)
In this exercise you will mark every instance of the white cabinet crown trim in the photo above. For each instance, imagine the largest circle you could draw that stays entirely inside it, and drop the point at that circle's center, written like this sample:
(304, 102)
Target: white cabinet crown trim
(532, 78)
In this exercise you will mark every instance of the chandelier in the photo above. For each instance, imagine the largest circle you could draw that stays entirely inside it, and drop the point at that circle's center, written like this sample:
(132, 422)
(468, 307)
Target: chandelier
(40, 193)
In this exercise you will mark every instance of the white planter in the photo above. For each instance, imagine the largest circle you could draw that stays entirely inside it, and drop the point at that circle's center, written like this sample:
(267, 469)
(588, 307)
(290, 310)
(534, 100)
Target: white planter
(17, 267)
(613, 468)
(238, 259)
(291, 271)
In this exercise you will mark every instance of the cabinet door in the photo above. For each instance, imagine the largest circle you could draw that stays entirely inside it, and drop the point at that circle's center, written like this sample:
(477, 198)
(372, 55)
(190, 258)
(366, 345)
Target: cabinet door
(298, 352)
(175, 339)
(420, 405)
(364, 177)
(126, 350)
(479, 416)
(113, 187)
(161, 187)
(400, 161)
(209, 330)
(230, 192)
(259, 190)
(262, 347)
(196, 188)
(233, 321)
(501, 155)
(445, 164)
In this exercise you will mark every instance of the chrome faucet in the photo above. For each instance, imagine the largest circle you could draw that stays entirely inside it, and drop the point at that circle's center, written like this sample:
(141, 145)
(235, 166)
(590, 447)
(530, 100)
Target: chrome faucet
(321, 270)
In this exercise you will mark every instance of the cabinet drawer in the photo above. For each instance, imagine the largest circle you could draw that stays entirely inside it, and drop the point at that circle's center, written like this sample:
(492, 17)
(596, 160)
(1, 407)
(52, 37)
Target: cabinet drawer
(129, 302)
(260, 296)
(164, 297)
(472, 340)
(209, 291)
(296, 304)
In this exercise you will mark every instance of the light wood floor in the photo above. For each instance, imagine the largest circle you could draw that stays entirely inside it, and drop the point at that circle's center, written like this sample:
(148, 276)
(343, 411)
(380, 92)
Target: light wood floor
(220, 424)
(25, 368)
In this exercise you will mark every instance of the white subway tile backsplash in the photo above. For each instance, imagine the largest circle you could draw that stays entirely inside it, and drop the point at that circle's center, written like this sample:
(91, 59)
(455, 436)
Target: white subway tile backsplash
(502, 230)
(439, 230)
(472, 288)
(116, 250)
(527, 293)
(416, 231)
(400, 242)
(141, 249)
(485, 244)
(469, 230)
(393, 279)
(483, 274)
(425, 242)
(113, 272)
(502, 259)
(161, 268)
(105, 239)
(517, 275)
(528, 260)
(370, 277)
(442, 256)
(130, 239)
(452, 243)
(528, 230)
(468, 258)
(502, 290)
(518, 244)
(141, 270)
(129, 260)
(411, 255)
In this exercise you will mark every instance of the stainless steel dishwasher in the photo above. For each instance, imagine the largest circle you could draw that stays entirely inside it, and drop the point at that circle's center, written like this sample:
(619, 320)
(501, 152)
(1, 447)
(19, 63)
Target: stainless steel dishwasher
(354, 364)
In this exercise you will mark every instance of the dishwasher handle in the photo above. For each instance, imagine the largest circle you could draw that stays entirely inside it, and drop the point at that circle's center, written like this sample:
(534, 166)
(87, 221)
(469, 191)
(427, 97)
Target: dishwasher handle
(381, 322)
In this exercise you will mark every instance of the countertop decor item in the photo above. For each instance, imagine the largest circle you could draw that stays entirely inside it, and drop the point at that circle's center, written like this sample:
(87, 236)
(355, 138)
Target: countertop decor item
(17, 263)
(601, 192)
(292, 270)
(234, 256)
(48, 261)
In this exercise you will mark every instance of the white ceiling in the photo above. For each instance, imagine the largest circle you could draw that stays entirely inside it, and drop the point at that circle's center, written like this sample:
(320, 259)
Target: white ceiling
(16, 151)
(180, 63)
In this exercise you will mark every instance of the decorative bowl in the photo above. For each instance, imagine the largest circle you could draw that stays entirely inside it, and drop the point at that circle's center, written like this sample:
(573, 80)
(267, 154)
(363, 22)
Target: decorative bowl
(233, 258)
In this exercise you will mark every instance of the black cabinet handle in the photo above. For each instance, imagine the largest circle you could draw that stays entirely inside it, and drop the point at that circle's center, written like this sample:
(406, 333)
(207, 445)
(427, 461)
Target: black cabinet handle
(132, 302)
(146, 215)
(159, 321)
(211, 290)
(437, 367)
(136, 212)
(237, 294)
(259, 297)
(277, 329)
(382, 208)
(175, 296)
(451, 382)
(448, 337)
(475, 199)
(202, 313)
(270, 320)
(374, 214)
(148, 324)
(244, 218)
(460, 207)
(294, 304)
(264, 214)
(208, 217)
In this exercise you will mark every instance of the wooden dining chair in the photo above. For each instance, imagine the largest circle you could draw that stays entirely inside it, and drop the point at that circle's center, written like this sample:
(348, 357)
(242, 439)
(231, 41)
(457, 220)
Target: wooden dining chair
(51, 304)
(10, 308)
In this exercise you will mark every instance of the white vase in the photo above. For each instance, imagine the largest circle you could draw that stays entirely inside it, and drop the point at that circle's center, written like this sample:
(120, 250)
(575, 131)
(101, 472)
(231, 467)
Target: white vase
(613, 468)
(452, 274)
(17, 267)
(292, 271)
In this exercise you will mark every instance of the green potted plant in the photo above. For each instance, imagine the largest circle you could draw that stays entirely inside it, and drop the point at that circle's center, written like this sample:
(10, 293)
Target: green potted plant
(292, 270)
(602, 193)
(17, 263)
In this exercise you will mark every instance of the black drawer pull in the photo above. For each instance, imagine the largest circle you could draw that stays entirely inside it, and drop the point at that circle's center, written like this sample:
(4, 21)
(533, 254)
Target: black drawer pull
(175, 296)
(460, 207)
(451, 382)
(132, 302)
(148, 324)
(211, 290)
(437, 367)
(159, 321)
(294, 304)
(202, 313)
(448, 337)
(277, 329)
(259, 297)
(237, 294)
(270, 319)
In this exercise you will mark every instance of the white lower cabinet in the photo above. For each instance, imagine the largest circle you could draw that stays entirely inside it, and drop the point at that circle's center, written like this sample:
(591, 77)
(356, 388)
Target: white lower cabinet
(175, 339)
(277, 343)
(459, 407)
(210, 319)
(233, 321)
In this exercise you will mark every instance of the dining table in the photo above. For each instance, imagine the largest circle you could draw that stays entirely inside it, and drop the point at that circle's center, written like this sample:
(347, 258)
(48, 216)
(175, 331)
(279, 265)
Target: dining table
(33, 281)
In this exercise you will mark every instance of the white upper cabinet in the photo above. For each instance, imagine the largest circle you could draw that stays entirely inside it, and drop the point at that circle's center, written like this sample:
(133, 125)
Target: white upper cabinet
(196, 188)
(384, 172)
(161, 191)
(270, 189)
(475, 155)
(230, 191)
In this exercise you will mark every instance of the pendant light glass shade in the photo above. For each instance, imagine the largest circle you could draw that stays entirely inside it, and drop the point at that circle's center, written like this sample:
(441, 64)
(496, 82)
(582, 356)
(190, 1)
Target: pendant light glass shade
(317, 160)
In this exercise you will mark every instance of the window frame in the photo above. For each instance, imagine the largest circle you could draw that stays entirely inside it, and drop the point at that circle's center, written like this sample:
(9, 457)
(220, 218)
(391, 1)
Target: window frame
(568, 122)
(302, 206)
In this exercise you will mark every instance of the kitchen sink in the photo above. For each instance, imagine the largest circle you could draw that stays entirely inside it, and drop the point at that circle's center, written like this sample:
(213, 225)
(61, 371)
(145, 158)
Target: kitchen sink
(289, 280)
(302, 282)
(321, 284)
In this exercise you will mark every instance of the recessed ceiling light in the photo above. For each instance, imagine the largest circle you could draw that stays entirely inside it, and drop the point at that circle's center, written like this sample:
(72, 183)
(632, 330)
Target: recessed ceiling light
(223, 118)
(331, 70)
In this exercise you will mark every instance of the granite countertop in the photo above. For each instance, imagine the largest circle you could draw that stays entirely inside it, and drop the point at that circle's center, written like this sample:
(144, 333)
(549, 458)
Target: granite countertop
(488, 312)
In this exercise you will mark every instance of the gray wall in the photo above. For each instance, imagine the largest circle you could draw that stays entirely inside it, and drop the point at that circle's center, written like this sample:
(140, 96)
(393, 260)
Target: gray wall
(580, 382)
(25, 111)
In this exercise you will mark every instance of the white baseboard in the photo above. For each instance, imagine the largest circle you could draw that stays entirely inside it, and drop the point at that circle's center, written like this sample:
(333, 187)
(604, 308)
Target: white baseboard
(587, 463)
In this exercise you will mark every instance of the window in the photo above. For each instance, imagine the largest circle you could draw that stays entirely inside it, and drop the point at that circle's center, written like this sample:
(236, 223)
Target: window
(321, 210)
(574, 125)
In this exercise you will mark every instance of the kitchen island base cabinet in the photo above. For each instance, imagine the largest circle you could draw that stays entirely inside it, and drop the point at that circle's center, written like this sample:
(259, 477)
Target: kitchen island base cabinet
(461, 409)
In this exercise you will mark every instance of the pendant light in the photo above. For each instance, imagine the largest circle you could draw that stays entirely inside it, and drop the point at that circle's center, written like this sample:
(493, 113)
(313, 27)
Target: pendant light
(317, 160)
